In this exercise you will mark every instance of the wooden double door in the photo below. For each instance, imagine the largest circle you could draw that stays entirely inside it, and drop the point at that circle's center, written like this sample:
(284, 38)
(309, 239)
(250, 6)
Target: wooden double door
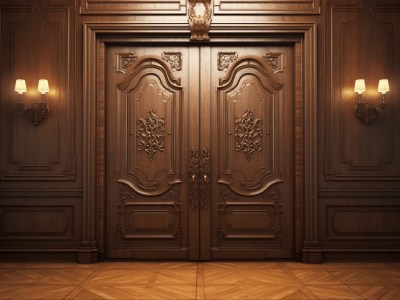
(200, 151)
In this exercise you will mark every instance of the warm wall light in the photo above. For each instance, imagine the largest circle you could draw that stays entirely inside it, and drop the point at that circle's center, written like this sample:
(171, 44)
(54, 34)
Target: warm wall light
(367, 112)
(383, 88)
(20, 86)
(43, 86)
(37, 112)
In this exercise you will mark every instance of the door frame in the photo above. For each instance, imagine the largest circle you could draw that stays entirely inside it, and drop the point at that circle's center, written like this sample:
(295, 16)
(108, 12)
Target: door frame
(97, 35)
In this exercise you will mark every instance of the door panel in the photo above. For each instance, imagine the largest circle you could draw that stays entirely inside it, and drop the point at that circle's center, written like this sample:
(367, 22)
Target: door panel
(252, 152)
(147, 141)
(200, 152)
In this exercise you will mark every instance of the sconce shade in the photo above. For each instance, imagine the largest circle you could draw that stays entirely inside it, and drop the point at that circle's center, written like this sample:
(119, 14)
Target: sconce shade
(20, 86)
(383, 86)
(43, 86)
(359, 86)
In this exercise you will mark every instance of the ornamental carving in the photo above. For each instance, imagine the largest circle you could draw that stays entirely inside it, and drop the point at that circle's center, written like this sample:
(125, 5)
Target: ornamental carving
(248, 134)
(124, 61)
(275, 60)
(193, 174)
(205, 171)
(151, 134)
(225, 59)
(174, 59)
(199, 19)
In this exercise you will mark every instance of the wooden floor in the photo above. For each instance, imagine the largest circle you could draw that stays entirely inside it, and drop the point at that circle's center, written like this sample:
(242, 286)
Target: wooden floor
(210, 280)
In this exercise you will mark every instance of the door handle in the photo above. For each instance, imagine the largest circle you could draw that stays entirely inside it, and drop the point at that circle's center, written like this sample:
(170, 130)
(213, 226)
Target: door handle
(193, 174)
(205, 170)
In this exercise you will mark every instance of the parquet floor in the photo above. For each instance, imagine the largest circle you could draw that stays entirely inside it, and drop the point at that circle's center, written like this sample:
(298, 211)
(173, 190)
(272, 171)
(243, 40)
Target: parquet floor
(191, 280)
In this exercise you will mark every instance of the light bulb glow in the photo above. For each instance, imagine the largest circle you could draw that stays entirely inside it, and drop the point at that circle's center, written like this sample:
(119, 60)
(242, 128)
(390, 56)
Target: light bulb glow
(43, 86)
(20, 86)
(359, 86)
(383, 86)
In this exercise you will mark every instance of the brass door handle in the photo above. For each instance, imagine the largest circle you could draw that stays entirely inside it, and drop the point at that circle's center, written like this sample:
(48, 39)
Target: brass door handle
(205, 178)
(193, 178)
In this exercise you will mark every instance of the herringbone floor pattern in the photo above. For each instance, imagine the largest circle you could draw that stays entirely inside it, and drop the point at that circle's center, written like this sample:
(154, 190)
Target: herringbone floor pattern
(209, 280)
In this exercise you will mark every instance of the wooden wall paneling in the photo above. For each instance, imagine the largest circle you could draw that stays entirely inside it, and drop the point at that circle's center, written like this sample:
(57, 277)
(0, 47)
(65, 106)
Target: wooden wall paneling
(39, 223)
(123, 7)
(47, 151)
(267, 7)
(362, 46)
(365, 222)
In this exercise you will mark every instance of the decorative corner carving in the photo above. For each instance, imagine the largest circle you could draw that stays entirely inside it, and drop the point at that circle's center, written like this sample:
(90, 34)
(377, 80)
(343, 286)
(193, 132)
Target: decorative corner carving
(174, 59)
(248, 134)
(124, 60)
(199, 19)
(225, 59)
(151, 134)
(275, 60)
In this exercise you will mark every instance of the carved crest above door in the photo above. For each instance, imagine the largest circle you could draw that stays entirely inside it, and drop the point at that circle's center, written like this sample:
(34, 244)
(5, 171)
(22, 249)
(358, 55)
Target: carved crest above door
(199, 19)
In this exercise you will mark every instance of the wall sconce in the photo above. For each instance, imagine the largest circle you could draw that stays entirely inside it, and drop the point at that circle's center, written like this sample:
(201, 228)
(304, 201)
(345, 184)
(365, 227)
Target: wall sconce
(367, 112)
(37, 112)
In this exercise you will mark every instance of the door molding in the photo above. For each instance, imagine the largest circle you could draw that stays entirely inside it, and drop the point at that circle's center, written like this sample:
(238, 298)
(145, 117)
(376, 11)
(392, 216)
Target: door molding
(97, 35)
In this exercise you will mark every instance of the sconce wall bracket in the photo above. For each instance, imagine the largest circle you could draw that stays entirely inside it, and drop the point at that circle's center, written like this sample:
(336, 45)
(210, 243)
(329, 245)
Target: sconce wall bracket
(37, 112)
(366, 112)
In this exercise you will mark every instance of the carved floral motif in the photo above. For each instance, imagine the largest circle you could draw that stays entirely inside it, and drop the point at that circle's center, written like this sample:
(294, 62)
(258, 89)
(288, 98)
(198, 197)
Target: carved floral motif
(248, 134)
(199, 23)
(151, 134)
(174, 59)
(225, 59)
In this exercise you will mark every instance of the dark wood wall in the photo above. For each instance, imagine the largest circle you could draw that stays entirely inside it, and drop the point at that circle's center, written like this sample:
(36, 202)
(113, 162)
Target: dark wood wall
(45, 203)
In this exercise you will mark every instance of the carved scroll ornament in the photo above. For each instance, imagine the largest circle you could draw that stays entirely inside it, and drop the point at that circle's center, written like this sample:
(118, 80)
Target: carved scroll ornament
(248, 134)
(174, 59)
(199, 23)
(151, 134)
(225, 59)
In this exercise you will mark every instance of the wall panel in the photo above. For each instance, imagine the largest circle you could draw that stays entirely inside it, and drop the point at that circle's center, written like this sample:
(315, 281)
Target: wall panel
(361, 46)
(121, 7)
(362, 222)
(39, 46)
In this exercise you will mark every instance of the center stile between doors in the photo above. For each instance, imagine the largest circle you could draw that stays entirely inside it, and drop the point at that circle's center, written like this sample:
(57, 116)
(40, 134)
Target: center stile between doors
(200, 152)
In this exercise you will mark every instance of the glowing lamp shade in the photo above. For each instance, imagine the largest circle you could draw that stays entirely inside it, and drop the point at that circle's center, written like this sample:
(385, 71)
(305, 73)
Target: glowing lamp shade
(383, 86)
(43, 86)
(20, 86)
(359, 86)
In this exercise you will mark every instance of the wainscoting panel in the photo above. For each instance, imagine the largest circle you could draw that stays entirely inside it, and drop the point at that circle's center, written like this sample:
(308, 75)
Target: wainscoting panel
(39, 223)
(356, 223)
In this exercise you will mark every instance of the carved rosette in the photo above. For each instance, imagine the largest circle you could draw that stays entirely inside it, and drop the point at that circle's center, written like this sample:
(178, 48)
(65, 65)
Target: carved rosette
(199, 23)
(174, 59)
(151, 134)
(225, 59)
(248, 134)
